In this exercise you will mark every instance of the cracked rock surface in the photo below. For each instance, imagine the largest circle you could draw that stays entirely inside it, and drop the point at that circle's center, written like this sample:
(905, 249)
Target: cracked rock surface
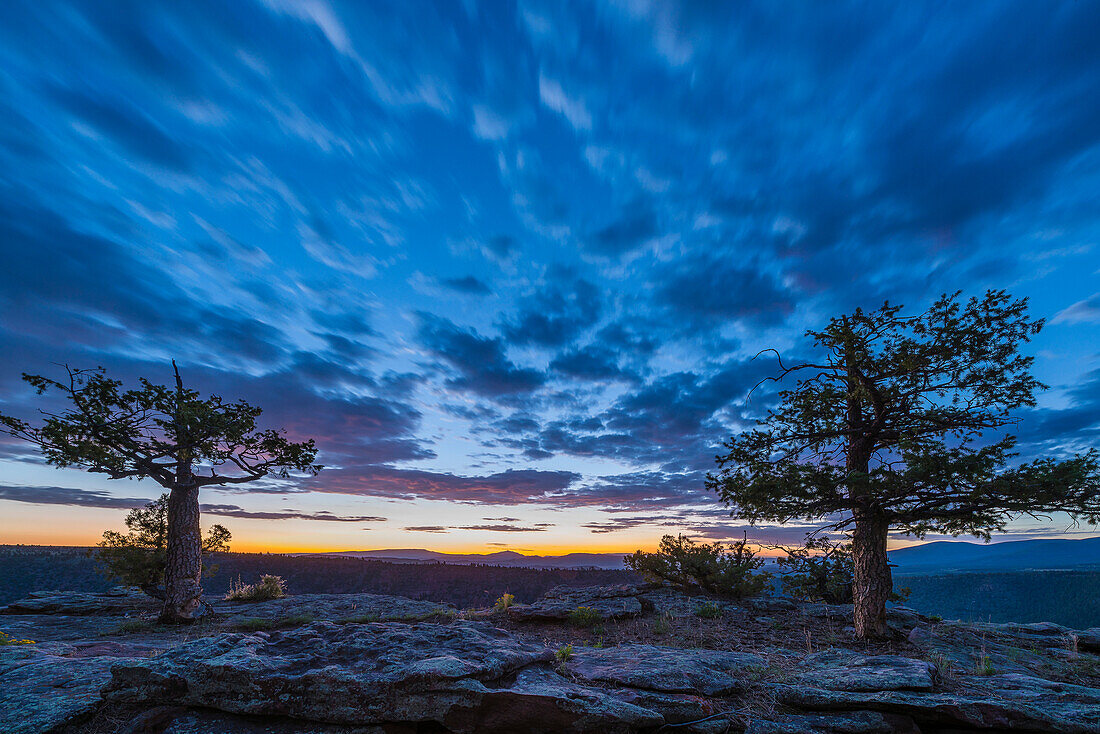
(373, 664)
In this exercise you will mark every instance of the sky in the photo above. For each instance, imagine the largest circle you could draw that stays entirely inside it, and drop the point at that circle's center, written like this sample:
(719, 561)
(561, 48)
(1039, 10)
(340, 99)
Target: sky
(509, 263)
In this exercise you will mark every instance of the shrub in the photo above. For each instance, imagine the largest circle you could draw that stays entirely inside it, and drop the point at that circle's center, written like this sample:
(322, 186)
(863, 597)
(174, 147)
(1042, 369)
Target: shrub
(505, 601)
(708, 566)
(269, 587)
(584, 617)
(819, 570)
(709, 610)
(564, 653)
(822, 570)
(138, 557)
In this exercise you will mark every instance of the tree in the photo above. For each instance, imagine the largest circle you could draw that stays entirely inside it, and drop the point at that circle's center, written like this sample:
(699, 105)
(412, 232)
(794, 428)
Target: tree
(172, 436)
(138, 557)
(707, 566)
(894, 426)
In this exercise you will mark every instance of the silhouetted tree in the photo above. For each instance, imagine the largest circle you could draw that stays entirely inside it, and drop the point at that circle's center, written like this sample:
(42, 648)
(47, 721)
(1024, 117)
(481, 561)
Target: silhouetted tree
(886, 429)
(170, 435)
(138, 557)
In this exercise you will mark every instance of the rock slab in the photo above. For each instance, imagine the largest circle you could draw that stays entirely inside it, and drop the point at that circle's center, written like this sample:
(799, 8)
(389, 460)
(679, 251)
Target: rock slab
(465, 676)
(665, 669)
(610, 602)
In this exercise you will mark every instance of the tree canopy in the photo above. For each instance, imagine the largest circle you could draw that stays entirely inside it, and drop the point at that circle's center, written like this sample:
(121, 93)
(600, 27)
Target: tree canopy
(896, 423)
(171, 435)
(146, 432)
(921, 397)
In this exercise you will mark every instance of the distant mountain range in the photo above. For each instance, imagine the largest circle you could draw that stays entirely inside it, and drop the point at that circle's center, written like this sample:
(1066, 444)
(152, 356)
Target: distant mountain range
(1017, 555)
(944, 556)
(612, 561)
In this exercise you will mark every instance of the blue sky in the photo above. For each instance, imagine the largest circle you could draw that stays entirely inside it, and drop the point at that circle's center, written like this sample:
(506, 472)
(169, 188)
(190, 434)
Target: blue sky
(509, 262)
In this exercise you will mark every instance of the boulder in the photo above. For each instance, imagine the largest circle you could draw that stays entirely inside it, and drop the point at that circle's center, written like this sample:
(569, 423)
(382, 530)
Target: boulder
(119, 600)
(666, 669)
(610, 602)
(845, 670)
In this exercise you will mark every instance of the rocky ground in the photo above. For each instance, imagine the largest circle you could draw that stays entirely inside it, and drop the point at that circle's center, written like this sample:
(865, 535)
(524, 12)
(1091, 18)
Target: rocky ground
(606, 659)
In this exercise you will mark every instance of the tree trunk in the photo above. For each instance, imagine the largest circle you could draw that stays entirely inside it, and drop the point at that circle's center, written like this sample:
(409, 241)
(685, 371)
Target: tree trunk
(872, 581)
(183, 567)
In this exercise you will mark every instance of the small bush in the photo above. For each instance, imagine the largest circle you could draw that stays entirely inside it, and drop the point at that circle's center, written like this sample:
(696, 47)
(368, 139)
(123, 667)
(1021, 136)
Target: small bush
(269, 587)
(945, 667)
(564, 653)
(6, 639)
(709, 610)
(584, 617)
(505, 601)
(819, 570)
(708, 566)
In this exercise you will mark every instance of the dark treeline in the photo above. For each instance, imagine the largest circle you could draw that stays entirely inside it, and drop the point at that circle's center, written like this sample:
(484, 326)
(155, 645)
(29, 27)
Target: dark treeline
(24, 569)
(1071, 598)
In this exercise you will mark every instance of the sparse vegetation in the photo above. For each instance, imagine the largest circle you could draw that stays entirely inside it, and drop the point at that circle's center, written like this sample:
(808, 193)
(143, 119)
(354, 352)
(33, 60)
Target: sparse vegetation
(709, 610)
(564, 653)
(663, 623)
(269, 587)
(984, 666)
(361, 619)
(711, 567)
(6, 639)
(503, 603)
(584, 617)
